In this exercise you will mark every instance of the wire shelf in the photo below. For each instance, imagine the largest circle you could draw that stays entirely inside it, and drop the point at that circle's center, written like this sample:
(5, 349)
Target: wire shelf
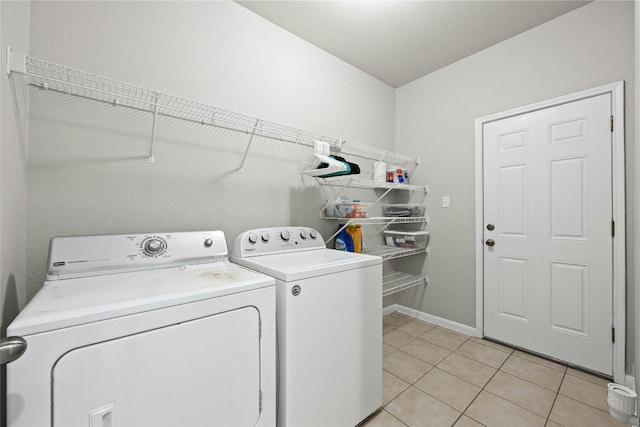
(55, 77)
(392, 252)
(366, 183)
(396, 281)
(382, 220)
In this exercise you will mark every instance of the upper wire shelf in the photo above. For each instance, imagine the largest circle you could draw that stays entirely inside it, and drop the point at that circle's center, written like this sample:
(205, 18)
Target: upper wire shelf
(59, 78)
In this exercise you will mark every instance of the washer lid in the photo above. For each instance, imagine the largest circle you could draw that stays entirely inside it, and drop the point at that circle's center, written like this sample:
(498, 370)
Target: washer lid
(71, 302)
(305, 264)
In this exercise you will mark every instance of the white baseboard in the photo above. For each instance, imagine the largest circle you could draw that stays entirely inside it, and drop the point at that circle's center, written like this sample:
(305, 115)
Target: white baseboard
(630, 382)
(445, 323)
(388, 309)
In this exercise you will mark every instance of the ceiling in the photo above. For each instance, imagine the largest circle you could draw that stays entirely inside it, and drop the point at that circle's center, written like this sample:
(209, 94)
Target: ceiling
(399, 41)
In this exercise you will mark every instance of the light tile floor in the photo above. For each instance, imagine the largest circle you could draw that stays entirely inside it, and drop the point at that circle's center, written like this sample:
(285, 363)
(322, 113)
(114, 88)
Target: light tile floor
(434, 376)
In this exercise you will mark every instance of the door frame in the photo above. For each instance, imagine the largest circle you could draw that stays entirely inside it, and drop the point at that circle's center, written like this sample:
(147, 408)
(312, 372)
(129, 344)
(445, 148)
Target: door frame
(616, 90)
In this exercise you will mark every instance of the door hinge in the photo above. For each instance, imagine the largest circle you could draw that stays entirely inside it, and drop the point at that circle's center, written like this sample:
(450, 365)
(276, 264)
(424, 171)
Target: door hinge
(613, 228)
(260, 401)
(260, 328)
(613, 334)
(611, 123)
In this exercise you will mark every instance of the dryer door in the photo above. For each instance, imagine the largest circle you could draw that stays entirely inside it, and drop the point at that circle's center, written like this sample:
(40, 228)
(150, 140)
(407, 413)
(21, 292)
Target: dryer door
(203, 372)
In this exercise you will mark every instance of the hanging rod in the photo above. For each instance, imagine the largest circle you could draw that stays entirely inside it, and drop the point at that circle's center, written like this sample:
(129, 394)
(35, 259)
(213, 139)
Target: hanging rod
(59, 78)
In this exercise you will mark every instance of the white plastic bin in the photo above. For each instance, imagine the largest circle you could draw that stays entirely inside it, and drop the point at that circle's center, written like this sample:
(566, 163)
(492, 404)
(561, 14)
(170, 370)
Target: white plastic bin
(407, 239)
(403, 210)
(340, 209)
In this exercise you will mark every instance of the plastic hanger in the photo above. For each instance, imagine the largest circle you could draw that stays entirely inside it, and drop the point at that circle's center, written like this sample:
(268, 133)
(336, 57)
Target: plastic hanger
(321, 152)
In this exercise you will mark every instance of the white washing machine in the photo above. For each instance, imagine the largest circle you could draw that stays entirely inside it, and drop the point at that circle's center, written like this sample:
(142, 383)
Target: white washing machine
(329, 325)
(145, 331)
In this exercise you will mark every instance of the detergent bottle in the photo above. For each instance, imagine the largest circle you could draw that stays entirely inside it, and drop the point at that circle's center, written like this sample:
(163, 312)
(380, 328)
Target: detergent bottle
(344, 241)
(355, 231)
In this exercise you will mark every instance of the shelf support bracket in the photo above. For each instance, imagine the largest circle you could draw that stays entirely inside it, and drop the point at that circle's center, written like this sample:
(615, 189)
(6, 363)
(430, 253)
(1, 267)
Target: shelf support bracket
(382, 196)
(16, 62)
(385, 226)
(246, 151)
(153, 128)
(323, 210)
(348, 223)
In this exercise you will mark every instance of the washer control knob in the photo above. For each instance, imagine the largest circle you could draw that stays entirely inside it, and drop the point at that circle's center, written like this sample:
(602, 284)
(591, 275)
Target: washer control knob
(303, 234)
(253, 238)
(153, 246)
(285, 235)
(265, 237)
(313, 234)
(208, 243)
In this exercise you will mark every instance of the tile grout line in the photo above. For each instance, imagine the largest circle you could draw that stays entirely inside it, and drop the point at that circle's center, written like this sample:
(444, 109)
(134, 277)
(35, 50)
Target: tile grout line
(462, 379)
(557, 392)
(434, 397)
(391, 373)
(565, 372)
(462, 413)
(555, 399)
(481, 390)
(432, 367)
(396, 417)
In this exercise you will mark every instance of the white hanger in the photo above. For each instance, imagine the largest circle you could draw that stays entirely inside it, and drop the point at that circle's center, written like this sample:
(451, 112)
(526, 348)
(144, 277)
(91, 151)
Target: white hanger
(321, 152)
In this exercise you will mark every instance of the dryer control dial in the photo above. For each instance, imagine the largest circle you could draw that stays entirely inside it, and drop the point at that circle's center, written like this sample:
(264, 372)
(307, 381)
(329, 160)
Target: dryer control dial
(265, 237)
(285, 235)
(153, 246)
(253, 238)
(313, 234)
(303, 234)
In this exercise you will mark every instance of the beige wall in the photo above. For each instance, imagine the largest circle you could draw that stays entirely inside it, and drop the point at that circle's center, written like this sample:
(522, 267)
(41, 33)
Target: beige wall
(88, 172)
(435, 116)
(14, 31)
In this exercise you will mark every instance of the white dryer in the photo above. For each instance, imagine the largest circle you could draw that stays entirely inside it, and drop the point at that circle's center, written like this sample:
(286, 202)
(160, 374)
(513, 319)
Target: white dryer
(145, 330)
(329, 325)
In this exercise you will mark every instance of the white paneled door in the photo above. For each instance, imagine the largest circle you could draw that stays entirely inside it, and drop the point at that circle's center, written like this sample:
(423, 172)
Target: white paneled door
(548, 232)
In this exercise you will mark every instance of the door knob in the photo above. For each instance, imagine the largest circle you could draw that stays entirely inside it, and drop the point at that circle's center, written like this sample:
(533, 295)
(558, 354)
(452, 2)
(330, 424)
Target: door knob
(490, 242)
(491, 227)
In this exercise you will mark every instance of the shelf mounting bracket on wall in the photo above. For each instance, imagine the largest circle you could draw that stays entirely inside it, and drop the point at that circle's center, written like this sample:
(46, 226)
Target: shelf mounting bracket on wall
(12, 59)
(246, 151)
(15, 62)
(153, 127)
